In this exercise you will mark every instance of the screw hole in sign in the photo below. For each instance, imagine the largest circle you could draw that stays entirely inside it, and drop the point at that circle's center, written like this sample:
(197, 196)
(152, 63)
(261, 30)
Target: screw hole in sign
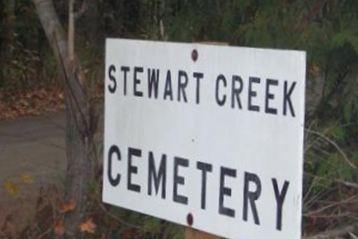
(194, 55)
(190, 219)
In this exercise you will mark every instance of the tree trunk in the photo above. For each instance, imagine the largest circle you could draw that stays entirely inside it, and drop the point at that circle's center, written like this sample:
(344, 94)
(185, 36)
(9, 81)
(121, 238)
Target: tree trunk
(71, 32)
(79, 133)
(7, 9)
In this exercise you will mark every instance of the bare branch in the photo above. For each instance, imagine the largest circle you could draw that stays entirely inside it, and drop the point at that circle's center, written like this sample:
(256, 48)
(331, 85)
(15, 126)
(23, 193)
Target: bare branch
(334, 233)
(82, 10)
(316, 8)
(117, 218)
(345, 201)
(71, 33)
(345, 183)
(350, 163)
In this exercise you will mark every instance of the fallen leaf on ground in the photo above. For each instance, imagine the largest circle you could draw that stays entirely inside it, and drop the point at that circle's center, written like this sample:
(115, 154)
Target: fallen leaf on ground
(11, 188)
(59, 228)
(67, 206)
(26, 178)
(88, 226)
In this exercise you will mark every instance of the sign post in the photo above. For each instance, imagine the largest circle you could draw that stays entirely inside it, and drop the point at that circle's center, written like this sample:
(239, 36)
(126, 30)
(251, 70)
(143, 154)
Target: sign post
(209, 137)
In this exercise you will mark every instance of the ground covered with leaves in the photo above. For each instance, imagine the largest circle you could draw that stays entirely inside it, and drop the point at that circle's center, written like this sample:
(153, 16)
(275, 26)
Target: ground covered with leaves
(23, 102)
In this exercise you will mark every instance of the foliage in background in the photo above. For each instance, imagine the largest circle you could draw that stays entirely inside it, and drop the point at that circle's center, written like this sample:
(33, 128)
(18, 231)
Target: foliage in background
(326, 29)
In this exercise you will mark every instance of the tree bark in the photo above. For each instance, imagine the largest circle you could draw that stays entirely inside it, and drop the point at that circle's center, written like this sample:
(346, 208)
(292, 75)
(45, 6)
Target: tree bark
(7, 9)
(79, 133)
(71, 32)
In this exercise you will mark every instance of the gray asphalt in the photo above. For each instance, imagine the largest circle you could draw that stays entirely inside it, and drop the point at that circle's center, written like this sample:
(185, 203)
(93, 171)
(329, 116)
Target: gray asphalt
(32, 146)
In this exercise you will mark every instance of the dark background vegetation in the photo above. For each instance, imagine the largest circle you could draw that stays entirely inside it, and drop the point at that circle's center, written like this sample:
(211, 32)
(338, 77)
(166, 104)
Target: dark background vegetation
(326, 29)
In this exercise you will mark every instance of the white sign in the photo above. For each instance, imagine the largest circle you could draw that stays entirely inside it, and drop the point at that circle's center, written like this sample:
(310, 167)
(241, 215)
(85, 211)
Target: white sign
(210, 136)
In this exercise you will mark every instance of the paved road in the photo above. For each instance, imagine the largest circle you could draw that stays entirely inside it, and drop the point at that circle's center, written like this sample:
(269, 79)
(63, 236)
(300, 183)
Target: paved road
(33, 146)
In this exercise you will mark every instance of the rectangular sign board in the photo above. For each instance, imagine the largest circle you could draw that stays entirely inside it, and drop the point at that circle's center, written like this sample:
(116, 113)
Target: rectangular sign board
(206, 136)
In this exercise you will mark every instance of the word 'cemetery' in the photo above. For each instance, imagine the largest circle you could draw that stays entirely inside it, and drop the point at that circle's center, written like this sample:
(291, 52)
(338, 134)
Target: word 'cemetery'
(157, 173)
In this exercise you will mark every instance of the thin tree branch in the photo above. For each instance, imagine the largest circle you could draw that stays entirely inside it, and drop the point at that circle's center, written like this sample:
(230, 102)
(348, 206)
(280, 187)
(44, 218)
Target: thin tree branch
(318, 5)
(71, 34)
(350, 163)
(334, 233)
(117, 218)
(82, 10)
(345, 183)
(345, 201)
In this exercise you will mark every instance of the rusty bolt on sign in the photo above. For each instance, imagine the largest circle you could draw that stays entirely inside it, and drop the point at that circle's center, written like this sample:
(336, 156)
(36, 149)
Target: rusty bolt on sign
(194, 55)
(190, 219)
